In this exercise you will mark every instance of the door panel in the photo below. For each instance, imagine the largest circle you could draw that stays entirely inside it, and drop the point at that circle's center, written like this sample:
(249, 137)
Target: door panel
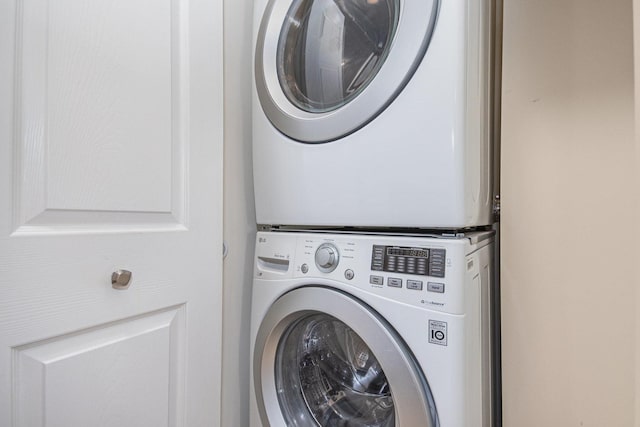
(100, 119)
(118, 368)
(110, 158)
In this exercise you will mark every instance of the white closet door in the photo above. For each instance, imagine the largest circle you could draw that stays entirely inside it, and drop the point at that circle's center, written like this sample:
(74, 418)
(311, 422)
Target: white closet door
(110, 159)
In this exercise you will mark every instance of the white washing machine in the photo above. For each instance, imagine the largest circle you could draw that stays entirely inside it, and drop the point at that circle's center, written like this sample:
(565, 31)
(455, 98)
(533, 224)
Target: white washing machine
(373, 113)
(371, 331)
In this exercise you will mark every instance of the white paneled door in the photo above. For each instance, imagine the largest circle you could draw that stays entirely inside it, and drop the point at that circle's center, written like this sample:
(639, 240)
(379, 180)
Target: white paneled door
(110, 160)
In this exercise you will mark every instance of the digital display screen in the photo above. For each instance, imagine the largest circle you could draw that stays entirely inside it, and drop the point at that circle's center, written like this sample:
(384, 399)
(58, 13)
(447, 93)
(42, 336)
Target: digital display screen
(412, 252)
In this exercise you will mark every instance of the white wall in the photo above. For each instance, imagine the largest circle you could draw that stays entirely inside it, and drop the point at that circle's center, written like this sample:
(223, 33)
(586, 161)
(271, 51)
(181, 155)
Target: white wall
(569, 254)
(239, 213)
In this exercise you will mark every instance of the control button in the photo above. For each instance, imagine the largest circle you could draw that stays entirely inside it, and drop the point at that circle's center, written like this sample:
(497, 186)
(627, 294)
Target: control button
(394, 282)
(436, 263)
(402, 266)
(414, 284)
(348, 274)
(376, 280)
(438, 254)
(327, 257)
(377, 258)
(304, 268)
(436, 271)
(435, 287)
(378, 251)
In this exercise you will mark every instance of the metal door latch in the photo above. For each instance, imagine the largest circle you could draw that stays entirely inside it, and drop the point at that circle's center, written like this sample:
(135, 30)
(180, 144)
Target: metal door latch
(496, 208)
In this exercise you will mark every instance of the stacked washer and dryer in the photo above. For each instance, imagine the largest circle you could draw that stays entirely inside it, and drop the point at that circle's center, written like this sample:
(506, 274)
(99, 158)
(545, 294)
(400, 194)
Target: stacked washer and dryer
(374, 263)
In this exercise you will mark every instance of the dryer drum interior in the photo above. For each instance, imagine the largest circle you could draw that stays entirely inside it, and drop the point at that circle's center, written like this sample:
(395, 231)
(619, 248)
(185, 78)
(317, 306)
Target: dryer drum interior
(329, 50)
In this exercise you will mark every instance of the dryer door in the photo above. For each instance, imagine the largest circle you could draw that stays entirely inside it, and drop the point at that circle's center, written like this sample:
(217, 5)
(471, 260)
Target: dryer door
(325, 68)
(323, 358)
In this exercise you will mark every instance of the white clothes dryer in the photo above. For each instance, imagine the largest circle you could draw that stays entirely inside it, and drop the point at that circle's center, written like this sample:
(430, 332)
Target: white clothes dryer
(373, 113)
(371, 331)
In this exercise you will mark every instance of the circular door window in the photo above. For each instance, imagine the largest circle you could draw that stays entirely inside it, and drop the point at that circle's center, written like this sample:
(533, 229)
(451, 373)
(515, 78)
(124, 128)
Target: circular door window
(325, 68)
(322, 358)
(329, 51)
(325, 369)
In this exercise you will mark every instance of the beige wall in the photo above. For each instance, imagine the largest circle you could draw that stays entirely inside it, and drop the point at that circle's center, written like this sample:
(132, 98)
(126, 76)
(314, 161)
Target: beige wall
(636, 27)
(568, 214)
(239, 213)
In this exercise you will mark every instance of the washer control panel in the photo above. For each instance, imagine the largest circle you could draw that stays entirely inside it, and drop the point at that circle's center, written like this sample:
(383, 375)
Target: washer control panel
(427, 272)
(409, 260)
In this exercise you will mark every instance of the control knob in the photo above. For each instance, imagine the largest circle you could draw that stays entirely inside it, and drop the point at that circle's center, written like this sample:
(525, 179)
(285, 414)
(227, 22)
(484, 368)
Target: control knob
(327, 257)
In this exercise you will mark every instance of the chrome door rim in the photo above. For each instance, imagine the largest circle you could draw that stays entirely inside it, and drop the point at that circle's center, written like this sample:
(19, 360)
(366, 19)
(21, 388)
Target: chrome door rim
(414, 403)
(405, 54)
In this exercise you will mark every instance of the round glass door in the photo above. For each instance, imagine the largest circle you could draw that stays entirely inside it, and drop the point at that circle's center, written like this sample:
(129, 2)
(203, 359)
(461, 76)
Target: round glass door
(322, 358)
(324, 369)
(326, 68)
(329, 50)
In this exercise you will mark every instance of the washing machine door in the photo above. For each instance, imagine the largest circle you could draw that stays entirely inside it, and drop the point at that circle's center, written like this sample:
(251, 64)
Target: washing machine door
(325, 359)
(325, 68)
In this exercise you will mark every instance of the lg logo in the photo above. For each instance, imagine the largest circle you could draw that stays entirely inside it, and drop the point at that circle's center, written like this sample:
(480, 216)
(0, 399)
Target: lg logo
(438, 335)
